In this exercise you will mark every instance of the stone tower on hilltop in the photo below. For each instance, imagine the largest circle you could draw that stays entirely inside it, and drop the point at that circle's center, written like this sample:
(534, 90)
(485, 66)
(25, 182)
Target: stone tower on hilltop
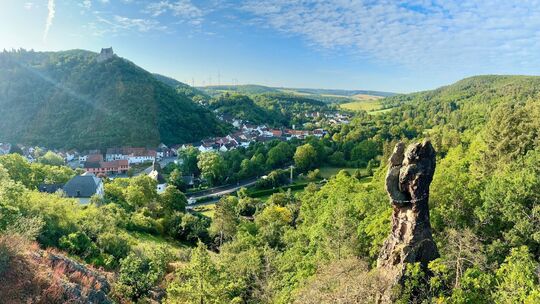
(409, 176)
(105, 54)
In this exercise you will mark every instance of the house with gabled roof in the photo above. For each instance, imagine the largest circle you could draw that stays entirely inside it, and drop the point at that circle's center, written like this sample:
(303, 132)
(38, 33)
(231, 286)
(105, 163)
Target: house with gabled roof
(83, 187)
(156, 175)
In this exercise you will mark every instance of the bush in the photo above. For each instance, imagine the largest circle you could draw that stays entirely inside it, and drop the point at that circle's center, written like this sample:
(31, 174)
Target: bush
(117, 245)
(142, 223)
(247, 206)
(139, 272)
(274, 179)
(188, 227)
(266, 192)
(78, 243)
(314, 175)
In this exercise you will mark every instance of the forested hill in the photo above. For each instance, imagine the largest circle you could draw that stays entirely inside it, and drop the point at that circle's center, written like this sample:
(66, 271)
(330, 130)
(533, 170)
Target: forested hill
(485, 92)
(466, 105)
(72, 100)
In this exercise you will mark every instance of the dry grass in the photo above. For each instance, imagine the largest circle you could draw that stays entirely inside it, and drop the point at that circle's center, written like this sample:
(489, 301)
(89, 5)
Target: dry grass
(367, 97)
(31, 275)
(364, 105)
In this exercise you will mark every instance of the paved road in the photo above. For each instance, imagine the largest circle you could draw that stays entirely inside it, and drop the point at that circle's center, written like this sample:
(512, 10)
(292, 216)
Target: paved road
(217, 192)
(222, 190)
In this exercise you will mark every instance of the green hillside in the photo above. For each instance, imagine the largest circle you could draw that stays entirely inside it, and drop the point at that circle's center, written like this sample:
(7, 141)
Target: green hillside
(69, 99)
(182, 88)
(277, 109)
(247, 89)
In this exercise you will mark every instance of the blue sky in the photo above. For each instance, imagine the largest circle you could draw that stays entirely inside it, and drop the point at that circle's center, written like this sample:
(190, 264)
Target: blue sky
(398, 46)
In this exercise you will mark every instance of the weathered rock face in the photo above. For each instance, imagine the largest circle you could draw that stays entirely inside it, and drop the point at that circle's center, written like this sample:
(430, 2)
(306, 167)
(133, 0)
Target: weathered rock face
(408, 178)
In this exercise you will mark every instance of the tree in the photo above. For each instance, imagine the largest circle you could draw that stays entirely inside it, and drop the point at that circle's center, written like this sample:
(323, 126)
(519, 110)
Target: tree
(212, 166)
(463, 250)
(225, 221)
(140, 192)
(279, 155)
(18, 168)
(139, 272)
(51, 158)
(189, 227)
(173, 200)
(188, 158)
(364, 152)
(272, 223)
(175, 179)
(517, 281)
(199, 282)
(305, 157)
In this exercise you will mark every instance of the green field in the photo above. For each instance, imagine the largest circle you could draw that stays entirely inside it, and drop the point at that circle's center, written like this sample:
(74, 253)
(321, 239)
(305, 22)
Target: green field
(147, 242)
(363, 105)
(207, 210)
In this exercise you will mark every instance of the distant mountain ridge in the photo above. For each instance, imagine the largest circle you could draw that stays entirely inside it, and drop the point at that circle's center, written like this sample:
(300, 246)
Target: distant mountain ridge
(325, 95)
(70, 99)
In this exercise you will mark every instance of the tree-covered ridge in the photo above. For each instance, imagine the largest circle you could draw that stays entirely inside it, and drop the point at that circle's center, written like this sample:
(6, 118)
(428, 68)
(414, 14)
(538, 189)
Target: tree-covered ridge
(70, 100)
(276, 109)
(324, 95)
(247, 89)
(183, 89)
(466, 103)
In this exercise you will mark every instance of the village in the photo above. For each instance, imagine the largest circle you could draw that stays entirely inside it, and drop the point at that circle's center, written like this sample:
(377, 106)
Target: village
(118, 162)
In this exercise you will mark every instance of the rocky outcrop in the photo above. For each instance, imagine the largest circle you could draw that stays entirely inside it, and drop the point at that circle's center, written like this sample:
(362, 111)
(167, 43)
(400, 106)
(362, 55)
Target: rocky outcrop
(29, 274)
(78, 282)
(408, 179)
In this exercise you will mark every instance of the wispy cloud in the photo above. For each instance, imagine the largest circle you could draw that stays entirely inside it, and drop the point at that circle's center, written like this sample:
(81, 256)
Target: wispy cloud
(120, 24)
(50, 18)
(87, 4)
(29, 5)
(183, 9)
(443, 34)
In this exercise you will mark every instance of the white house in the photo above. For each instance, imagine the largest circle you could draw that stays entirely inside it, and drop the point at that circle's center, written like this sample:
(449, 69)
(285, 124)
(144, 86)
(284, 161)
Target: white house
(155, 174)
(5, 148)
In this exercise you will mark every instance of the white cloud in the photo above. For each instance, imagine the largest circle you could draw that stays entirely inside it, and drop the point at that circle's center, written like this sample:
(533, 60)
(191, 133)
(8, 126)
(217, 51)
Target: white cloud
(50, 18)
(87, 4)
(118, 24)
(442, 34)
(29, 5)
(183, 9)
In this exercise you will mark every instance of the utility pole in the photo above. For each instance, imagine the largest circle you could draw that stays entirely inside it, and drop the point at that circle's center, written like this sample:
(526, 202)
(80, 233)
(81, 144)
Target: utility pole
(291, 178)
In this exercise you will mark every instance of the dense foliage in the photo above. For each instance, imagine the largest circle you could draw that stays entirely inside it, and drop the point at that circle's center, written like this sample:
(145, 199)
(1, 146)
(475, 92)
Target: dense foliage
(320, 245)
(70, 100)
(275, 109)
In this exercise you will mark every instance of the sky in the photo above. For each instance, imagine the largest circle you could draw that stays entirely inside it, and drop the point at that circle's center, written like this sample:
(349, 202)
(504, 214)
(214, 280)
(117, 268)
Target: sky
(396, 46)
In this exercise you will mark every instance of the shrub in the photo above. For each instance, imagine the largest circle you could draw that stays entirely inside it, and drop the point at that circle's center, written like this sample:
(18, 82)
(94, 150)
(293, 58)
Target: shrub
(117, 245)
(78, 243)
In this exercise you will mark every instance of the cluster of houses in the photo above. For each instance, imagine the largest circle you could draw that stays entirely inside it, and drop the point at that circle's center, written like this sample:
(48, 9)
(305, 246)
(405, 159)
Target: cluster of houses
(84, 187)
(119, 160)
(249, 133)
(331, 118)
